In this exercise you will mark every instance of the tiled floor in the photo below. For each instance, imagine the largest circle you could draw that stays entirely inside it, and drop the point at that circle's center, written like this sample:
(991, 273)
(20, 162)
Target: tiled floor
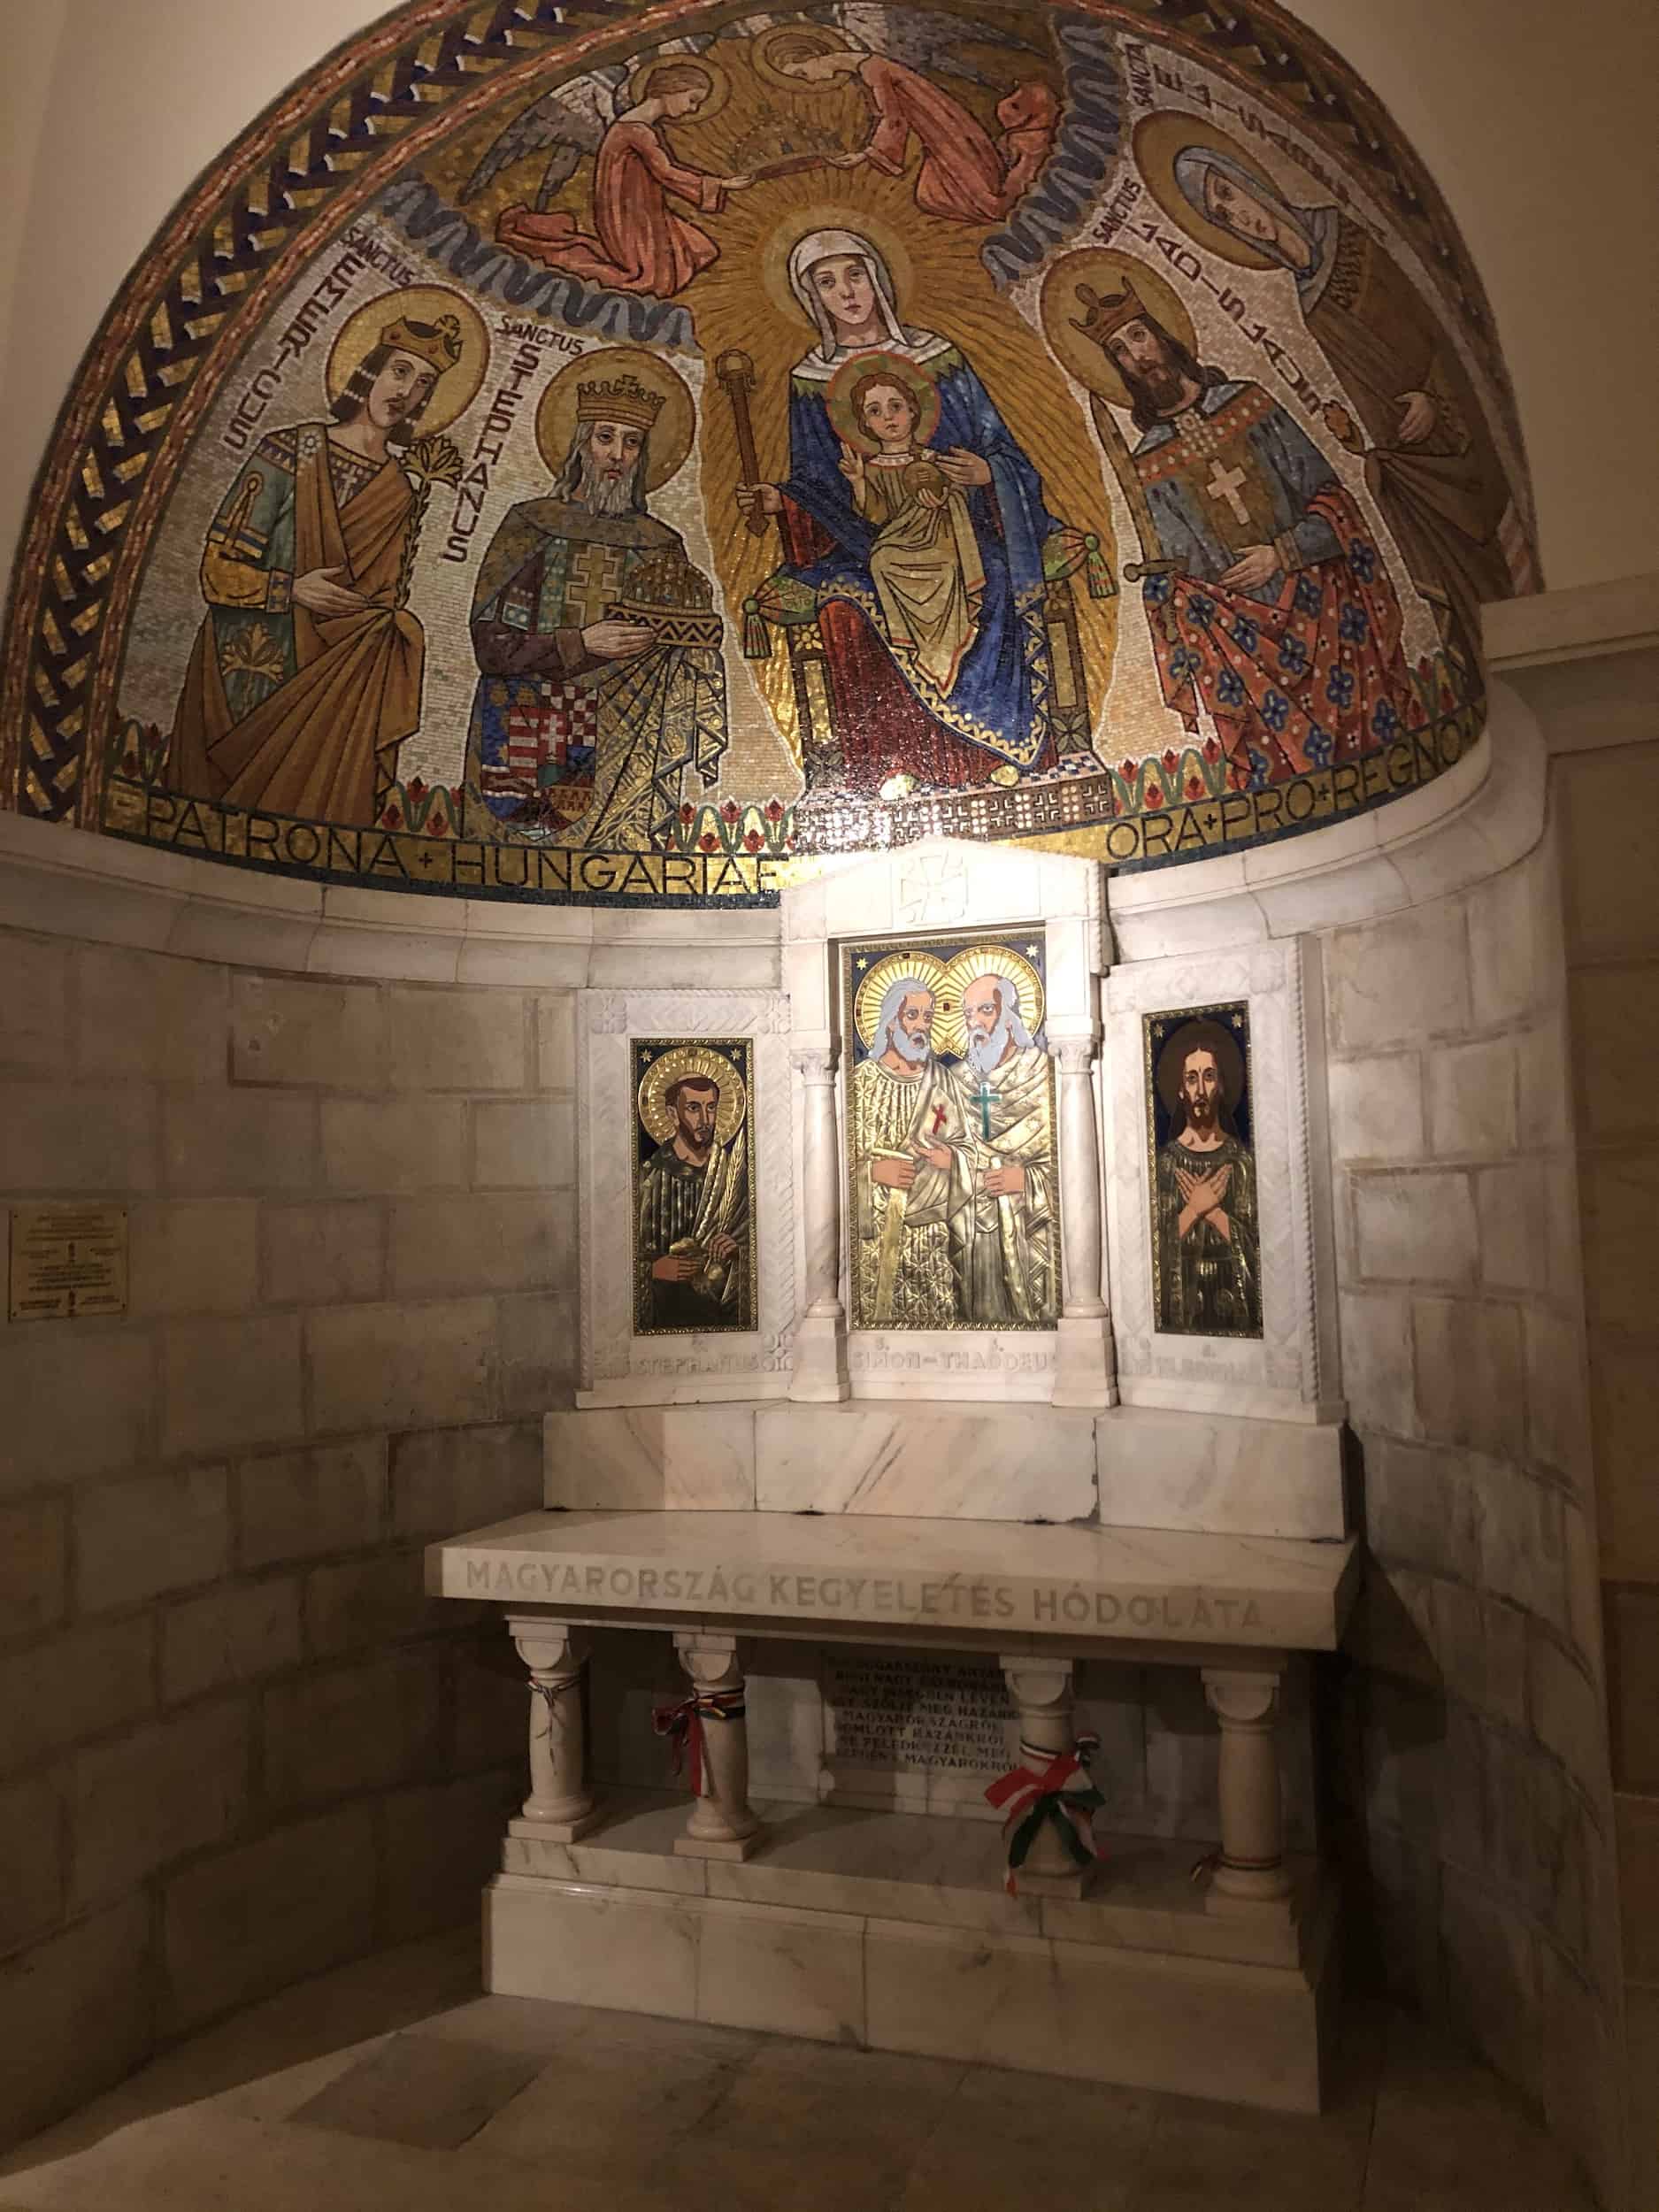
(393, 2083)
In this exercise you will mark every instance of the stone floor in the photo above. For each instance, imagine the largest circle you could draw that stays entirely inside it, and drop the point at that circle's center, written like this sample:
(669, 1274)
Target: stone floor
(394, 2083)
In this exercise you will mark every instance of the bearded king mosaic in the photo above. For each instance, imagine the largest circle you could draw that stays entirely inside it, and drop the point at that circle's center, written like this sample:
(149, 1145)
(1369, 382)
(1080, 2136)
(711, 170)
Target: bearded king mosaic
(603, 455)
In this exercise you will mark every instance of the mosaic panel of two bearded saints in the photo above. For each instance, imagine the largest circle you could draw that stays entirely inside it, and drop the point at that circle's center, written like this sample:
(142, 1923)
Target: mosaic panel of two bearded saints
(953, 1192)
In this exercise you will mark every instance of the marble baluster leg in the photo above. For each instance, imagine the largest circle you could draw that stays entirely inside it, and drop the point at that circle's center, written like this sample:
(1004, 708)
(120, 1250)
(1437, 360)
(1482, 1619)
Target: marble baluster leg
(723, 1824)
(1085, 1368)
(1041, 1693)
(560, 1804)
(1251, 1868)
(818, 1358)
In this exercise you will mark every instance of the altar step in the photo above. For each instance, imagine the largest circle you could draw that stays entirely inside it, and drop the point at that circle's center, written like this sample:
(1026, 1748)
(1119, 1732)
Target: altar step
(893, 1931)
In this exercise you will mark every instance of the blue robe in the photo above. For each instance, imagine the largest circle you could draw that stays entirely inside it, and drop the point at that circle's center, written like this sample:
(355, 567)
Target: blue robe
(1001, 697)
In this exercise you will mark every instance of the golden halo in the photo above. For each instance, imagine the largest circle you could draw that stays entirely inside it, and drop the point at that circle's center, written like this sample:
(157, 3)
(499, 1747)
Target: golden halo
(910, 376)
(805, 39)
(671, 437)
(1158, 138)
(1105, 272)
(885, 237)
(1214, 1039)
(928, 970)
(658, 1116)
(456, 387)
(963, 968)
(719, 83)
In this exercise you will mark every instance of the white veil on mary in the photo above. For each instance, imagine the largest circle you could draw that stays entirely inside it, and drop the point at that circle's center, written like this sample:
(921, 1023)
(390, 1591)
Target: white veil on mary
(828, 356)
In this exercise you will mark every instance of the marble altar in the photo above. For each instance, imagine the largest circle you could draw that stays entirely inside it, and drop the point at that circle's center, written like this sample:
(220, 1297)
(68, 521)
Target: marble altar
(838, 1599)
(841, 1922)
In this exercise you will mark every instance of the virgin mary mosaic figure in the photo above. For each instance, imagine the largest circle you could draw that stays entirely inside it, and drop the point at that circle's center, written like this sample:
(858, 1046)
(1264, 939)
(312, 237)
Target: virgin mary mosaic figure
(957, 713)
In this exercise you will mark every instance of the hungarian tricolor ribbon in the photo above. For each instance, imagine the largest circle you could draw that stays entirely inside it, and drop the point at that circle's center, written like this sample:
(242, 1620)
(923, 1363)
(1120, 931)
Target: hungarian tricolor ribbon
(682, 1724)
(1029, 1797)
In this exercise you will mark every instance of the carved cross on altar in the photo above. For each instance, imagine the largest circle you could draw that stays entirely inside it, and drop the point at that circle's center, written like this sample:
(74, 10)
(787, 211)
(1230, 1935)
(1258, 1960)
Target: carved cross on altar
(985, 1098)
(1224, 485)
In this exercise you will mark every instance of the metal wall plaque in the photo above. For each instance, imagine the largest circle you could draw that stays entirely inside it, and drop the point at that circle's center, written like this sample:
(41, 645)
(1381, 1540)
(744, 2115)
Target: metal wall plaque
(68, 1262)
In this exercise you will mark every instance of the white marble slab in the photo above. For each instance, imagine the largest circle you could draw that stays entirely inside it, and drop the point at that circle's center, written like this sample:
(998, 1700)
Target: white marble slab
(1248, 2034)
(626, 1950)
(977, 1579)
(1238, 1478)
(1135, 1467)
(788, 1973)
(909, 1943)
(994, 1463)
(650, 1459)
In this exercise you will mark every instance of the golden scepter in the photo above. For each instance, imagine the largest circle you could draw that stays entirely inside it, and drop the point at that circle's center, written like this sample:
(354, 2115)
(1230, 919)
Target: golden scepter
(734, 372)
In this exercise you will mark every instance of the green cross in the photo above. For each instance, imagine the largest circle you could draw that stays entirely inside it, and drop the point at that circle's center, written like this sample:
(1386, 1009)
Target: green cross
(985, 1098)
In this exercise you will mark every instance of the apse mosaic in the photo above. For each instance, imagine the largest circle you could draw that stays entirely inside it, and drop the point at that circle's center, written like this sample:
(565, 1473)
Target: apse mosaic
(953, 1200)
(549, 460)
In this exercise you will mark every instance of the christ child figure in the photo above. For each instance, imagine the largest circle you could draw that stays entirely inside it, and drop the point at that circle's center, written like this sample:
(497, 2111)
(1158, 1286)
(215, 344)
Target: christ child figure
(924, 558)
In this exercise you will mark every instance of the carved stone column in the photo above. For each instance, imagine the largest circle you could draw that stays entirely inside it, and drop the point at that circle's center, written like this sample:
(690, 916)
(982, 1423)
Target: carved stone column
(1084, 1367)
(1251, 1867)
(560, 1803)
(819, 1361)
(1041, 1693)
(723, 1824)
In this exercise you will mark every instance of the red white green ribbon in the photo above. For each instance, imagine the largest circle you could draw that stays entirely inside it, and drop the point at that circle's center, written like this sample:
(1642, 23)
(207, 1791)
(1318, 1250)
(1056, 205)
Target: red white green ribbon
(682, 1724)
(1032, 1798)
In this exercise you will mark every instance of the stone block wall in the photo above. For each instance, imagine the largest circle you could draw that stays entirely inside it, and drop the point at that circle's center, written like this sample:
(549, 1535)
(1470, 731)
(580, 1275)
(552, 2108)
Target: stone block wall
(237, 1742)
(1610, 814)
(1480, 1815)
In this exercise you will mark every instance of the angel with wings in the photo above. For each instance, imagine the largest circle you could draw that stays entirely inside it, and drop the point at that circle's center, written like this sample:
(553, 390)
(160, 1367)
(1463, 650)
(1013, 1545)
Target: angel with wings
(966, 176)
(638, 242)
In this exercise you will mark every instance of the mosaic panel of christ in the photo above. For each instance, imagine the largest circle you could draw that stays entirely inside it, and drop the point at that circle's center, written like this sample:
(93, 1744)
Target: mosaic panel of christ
(1206, 1255)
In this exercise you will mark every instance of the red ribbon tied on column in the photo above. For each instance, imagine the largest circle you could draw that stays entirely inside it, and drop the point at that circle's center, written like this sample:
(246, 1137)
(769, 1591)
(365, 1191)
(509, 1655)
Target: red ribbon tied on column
(682, 1724)
(1030, 1798)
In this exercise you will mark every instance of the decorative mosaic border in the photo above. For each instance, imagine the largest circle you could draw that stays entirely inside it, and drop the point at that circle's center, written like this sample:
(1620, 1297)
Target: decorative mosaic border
(316, 157)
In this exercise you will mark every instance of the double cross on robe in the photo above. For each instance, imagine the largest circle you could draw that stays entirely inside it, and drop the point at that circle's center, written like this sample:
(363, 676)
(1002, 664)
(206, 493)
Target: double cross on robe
(1226, 484)
(985, 1098)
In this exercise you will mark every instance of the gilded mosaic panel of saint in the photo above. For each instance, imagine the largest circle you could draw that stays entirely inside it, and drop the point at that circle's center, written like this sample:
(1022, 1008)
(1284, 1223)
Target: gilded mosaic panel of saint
(694, 1210)
(1206, 1256)
(953, 1191)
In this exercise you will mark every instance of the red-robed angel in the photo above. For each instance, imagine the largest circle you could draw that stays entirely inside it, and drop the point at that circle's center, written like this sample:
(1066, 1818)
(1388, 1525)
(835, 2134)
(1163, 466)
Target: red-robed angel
(965, 175)
(638, 242)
